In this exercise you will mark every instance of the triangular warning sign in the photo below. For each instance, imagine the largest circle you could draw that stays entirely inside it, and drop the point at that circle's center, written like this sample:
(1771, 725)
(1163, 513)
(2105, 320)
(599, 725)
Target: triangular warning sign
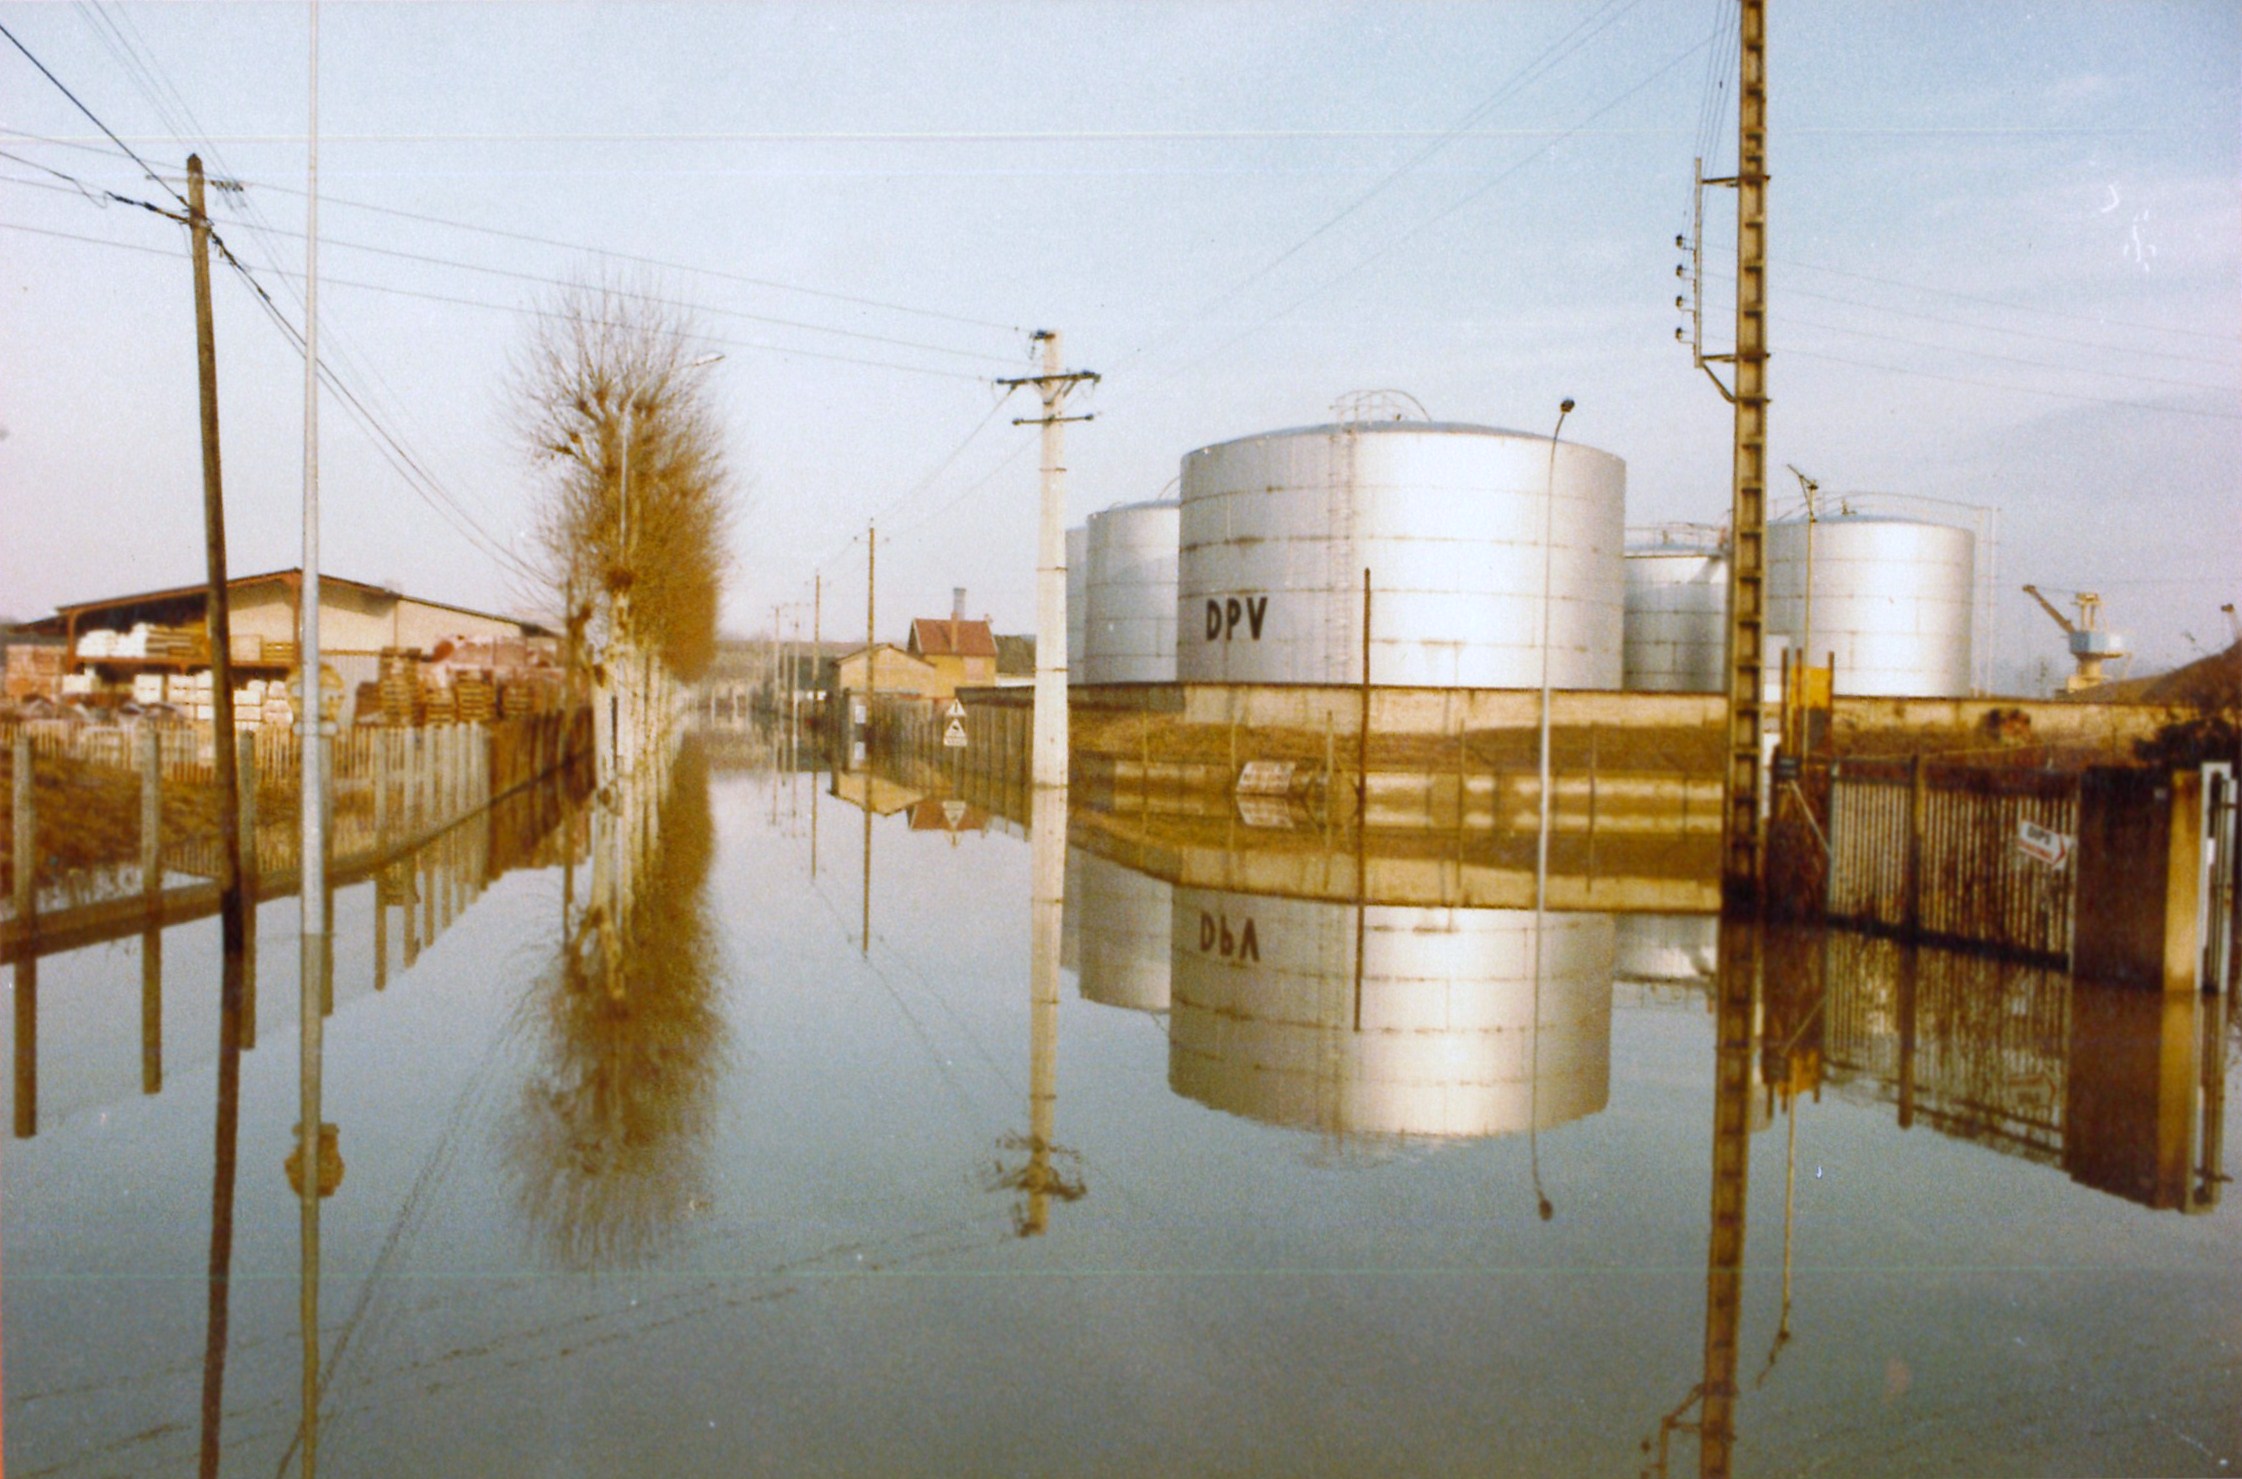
(956, 710)
(953, 812)
(953, 738)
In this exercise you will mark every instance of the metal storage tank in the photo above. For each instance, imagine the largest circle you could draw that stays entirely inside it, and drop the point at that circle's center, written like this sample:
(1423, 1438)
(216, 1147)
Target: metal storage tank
(1668, 947)
(1127, 920)
(1677, 610)
(1129, 632)
(1262, 1018)
(1277, 530)
(1894, 599)
(1078, 597)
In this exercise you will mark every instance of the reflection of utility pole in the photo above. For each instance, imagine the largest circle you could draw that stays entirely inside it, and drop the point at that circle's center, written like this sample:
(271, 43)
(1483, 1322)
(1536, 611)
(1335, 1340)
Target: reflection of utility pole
(1738, 987)
(1053, 385)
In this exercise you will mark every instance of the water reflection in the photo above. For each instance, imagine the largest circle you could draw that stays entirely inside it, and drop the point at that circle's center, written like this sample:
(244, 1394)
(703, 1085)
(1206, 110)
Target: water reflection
(1389, 1020)
(607, 1146)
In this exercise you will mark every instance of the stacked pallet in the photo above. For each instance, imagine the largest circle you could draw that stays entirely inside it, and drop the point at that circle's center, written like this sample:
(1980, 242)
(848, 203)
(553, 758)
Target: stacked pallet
(517, 699)
(476, 698)
(438, 706)
(400, 687)
(278, 654)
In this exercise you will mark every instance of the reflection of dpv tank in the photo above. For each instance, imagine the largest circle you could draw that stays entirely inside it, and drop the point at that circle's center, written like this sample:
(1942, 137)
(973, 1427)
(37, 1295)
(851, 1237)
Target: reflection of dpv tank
(1436, 1036)
(1122, 940)
(1278, 529)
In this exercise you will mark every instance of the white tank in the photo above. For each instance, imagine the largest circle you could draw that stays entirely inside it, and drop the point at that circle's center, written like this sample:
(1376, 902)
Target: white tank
(1668, 947)
(1277, 530)
(1677, 610)
(1263, 1018)
(1078, 597)
(1127, 919)
(1129, 633)
(1893, 599)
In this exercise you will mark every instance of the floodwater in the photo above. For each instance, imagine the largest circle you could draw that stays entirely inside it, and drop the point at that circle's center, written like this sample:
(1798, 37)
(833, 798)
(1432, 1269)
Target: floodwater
(745, 1130)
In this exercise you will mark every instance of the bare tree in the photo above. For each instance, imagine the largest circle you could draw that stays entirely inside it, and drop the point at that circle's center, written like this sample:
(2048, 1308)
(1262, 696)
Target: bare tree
(632, 528)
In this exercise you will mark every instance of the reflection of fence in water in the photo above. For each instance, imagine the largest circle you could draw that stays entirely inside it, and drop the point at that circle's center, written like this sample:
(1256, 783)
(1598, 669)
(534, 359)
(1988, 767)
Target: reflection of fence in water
(1977, 1047)
(99, 787)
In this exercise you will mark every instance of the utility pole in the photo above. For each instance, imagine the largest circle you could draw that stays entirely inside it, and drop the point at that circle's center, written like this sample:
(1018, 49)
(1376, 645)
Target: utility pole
(1053, 385)
(1742, 843)
(1742, 863)
(218, 620)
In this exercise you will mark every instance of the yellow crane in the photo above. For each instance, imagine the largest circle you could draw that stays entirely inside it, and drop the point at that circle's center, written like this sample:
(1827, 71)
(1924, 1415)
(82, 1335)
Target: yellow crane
(2090, 645)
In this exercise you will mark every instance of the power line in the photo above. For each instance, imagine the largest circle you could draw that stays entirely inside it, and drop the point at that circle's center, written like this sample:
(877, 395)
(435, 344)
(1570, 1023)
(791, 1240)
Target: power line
(2020, 389)
(774, 284)
(1557, 52)
(2223, 361)
(532, 277)
(780, 350)
(1808, 323)
(1413, 232)
(1914, 287)
(90, 114)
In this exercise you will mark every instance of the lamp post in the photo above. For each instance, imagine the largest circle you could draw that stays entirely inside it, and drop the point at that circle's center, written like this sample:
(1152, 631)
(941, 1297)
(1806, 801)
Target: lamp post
(1541, 834)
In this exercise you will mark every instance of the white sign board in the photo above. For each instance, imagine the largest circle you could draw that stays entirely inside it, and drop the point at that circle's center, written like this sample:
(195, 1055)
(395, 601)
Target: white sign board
(1265, 778)
(953, 812)
(2035, 841)
(956, 710)
(953, 738)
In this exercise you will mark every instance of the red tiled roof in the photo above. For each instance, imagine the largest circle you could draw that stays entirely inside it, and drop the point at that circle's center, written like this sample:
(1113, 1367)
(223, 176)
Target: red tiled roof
(940, 636)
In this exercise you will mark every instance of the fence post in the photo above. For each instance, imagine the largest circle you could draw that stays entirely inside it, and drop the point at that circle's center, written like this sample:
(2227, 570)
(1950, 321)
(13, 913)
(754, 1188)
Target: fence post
(151, 809)
(23, 853)
(245, 766)
(1918, 814)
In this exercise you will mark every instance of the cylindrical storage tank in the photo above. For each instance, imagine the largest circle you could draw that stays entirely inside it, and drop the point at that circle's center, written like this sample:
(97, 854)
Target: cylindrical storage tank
(1278, 529)
(1893, 599)
(1668, 947)
(1078, 597)
(1438, 1037)
(1129, 626)
(1127, 921)
(1677, 612)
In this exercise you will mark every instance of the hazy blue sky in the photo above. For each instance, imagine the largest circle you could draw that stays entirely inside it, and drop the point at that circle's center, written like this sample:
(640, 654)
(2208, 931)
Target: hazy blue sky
(2007, 247)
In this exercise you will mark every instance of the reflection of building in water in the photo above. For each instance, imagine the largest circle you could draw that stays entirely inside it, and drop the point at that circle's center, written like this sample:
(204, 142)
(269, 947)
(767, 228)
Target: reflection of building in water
(1667, 947)
(1125, 922)
(1385, 1020)
(2123, 1089)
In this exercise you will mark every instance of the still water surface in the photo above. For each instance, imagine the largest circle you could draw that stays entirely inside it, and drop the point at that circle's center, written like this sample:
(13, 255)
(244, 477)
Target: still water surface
(686, 1174)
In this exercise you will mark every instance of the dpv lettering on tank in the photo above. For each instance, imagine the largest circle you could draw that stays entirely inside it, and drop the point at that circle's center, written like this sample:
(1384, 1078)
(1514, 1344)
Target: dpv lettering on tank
(1223, 616)
(1217, 937)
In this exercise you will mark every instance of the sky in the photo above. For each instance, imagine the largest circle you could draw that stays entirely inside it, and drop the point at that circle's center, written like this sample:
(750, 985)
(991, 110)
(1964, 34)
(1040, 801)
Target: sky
(2005, 241)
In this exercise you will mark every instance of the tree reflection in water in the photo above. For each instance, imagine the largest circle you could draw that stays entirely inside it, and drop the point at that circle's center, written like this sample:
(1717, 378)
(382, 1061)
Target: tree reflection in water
(607, 1149)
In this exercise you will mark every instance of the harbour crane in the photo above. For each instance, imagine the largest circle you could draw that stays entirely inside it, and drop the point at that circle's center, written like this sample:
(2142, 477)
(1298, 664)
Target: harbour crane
(2090, 645)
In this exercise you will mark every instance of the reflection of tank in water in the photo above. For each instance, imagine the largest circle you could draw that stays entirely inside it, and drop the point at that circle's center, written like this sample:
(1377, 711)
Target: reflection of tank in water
(1126, 919)
(1437, 1037)
(1667, 947)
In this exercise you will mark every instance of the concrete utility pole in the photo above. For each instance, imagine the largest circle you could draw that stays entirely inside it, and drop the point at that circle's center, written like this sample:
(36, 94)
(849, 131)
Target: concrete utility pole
(234, 926)
(1742, 863)
(1053, 385)
(1742, 842)
(311, 786)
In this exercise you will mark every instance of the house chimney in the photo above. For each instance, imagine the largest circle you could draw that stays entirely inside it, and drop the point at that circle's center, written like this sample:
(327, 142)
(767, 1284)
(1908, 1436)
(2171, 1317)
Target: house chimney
(957, 603)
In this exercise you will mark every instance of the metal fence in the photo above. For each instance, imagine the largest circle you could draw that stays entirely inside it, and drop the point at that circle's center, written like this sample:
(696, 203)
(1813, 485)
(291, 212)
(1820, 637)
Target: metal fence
(1931, 852)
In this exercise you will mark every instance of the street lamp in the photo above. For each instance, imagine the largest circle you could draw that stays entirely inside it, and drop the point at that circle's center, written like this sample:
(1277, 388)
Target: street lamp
(1541, 836)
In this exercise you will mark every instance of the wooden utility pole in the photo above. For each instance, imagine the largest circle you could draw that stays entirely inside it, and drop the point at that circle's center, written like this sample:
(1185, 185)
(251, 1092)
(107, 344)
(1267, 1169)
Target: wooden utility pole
(1053, 385)
(234, 928)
